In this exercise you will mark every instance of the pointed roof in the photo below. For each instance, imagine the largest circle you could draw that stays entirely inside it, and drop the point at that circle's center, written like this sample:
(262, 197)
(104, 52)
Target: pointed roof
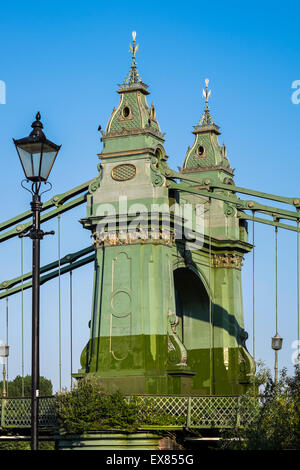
(133, 79)
(206, 154)
(206, 122)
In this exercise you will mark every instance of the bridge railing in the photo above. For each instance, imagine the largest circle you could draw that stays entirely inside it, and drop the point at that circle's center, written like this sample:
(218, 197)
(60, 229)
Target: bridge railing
(16, 412)
(179, 411)
(200, 411)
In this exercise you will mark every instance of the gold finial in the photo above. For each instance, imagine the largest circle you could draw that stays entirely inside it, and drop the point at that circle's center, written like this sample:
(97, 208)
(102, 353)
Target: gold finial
(133, 77)
(206, 119)
(206, 93)
(133, 48)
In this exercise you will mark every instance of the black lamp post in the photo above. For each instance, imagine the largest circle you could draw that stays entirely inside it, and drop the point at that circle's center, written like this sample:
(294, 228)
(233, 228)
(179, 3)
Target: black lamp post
(37, 155)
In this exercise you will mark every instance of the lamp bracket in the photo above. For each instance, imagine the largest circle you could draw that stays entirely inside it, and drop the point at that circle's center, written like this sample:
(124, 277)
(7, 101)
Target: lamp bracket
(36, 234)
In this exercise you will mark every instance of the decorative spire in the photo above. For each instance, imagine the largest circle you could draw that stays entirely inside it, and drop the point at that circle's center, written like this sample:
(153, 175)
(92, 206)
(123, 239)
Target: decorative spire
(206, 119)
(133, 77)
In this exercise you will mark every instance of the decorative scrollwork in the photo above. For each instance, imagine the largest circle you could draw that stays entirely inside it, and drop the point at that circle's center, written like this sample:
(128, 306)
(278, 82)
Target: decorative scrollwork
(229, 210)
(96, 183)
(176, 349)
(157, 178)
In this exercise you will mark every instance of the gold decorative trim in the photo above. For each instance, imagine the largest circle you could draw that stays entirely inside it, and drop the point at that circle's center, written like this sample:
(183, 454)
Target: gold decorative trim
(113, 115)
(135, 131)
(126, 153)
(126, 167)
(127, 238)
(227, 260)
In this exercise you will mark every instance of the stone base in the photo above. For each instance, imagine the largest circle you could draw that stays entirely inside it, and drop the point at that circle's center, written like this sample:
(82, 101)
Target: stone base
(109, 441)
(180, 378)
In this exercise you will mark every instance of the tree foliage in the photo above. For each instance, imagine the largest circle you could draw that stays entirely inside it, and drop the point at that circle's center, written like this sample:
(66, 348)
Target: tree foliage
(14, 387)
(25, 445)
(276, 426)
(89, 408)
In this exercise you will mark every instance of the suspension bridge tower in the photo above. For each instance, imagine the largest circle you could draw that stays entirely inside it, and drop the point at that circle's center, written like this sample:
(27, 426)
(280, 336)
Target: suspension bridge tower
(167, 313)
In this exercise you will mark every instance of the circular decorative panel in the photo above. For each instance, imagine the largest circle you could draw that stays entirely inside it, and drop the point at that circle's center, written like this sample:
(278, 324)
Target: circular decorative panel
(121, 303)
(123, 172)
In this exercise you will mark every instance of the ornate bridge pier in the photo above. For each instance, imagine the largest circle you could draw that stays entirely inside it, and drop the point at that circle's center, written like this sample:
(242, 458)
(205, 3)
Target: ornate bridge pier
(167, 313)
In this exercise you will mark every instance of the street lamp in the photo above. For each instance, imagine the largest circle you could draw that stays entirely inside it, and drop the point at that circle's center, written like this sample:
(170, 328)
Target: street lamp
(276, 346)
(37, 155)
(4, 352)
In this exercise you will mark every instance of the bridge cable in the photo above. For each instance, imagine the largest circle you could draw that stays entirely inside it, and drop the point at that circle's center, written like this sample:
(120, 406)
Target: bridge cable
(253, 287)
(276, 299)
(22, 315)
(298, 296)
(276, 278)
(59, 302)
(210, 307)
(71, 325)
(6, 344)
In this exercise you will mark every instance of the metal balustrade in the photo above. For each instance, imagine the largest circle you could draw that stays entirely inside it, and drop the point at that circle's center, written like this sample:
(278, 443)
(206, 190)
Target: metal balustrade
(16, 412)
(179, 411)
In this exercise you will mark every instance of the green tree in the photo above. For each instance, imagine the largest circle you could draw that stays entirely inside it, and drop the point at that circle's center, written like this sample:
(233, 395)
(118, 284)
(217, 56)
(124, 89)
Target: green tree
(276, 425)
(14, 387)
(89, 408)
(21, 445)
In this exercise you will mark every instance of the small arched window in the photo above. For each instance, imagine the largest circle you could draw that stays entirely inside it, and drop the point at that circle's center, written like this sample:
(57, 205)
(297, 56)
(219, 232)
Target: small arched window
(126, 112)
(201, 151)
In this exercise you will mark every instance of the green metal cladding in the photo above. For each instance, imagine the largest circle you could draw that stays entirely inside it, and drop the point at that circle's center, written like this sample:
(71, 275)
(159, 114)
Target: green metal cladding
(167, 315)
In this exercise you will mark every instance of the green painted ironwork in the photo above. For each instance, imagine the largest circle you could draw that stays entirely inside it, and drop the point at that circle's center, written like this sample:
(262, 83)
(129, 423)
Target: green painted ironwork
(238, 203)
(70, 258)
(295, 201)
(21, 228)
(268, 222)
(193, 412)
(53, 274)
(57, 200)
(16, 412)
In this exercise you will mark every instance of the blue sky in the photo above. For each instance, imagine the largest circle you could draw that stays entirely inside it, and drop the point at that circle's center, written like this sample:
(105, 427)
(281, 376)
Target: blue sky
(65, 60)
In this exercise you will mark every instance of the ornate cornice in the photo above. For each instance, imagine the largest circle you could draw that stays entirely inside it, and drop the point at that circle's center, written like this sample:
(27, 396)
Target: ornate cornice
(227, 260)
(127, 153)
(204, 129)
(136, 131)
(126, 238)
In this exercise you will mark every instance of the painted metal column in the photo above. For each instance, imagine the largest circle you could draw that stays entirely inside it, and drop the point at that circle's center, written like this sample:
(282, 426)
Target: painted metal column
(36, 236)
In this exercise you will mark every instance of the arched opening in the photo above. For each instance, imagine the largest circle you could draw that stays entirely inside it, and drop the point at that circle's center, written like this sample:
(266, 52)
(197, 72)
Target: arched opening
(192, 308)
(194, 329)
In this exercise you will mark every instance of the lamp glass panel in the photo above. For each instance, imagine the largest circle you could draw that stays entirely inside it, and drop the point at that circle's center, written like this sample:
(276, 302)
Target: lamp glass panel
(47, 161)
(26, 160)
